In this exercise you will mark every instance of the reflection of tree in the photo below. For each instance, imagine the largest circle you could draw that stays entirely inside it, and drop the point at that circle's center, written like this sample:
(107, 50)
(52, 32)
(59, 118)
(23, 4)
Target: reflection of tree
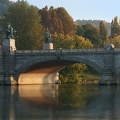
(76, 95)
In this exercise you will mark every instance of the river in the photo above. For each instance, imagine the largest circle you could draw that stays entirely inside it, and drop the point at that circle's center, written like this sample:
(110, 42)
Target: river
(60, 102)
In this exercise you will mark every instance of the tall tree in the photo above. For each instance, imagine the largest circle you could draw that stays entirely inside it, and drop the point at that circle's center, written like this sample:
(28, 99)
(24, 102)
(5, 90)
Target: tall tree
(45, 17)
(26, 21)
(69, 26)
(56, 24)
(103, 32)
(115, 27)
(79, 30)
(92, 33)
(58, 19)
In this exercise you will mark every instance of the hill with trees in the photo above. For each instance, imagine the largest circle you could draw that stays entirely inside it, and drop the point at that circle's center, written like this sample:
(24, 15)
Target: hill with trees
(95, 23)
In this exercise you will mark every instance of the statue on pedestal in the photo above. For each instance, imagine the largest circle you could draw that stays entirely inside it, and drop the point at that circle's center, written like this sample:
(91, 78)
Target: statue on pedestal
(47, 45)
(10, 31)
(47, 36)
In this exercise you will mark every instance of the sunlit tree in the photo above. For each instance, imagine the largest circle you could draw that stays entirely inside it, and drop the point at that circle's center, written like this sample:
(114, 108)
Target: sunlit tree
(103, 32)
(57, 20)
(115, 27)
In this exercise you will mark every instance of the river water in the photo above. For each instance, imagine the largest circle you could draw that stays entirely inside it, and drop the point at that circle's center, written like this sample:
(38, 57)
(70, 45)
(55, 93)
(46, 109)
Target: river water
(60, 102)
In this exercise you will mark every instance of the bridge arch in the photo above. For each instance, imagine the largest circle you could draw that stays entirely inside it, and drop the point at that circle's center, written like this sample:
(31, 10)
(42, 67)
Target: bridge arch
(71, 60)
(85, 61)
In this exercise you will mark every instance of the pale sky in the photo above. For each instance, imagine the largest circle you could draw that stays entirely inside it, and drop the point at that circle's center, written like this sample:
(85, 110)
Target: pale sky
(84, 9)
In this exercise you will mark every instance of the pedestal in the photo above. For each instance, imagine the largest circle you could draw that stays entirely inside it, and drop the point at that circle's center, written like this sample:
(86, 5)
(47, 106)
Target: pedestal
(47, 46)
(9, 45)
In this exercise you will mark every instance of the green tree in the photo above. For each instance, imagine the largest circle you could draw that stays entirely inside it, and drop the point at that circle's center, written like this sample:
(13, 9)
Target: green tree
(103, 32)
(115, 27)
(116, 41)
(80, 30)
(72, 73)
(92, 33)
(68, 42)
(26, 21)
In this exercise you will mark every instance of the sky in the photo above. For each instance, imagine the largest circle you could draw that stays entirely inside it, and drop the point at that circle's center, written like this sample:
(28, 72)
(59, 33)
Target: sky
(83, 9)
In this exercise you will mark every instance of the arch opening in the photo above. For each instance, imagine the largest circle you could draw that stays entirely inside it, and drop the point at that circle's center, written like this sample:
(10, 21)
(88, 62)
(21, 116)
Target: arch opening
(42, 71)
(78, 73)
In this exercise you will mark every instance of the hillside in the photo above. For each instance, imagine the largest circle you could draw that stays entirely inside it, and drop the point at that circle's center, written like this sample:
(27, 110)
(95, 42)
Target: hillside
(95, 23)
(4, 4)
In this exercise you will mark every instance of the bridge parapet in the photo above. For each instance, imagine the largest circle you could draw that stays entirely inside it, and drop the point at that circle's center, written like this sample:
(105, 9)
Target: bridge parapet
(59, 50)
(67, 50)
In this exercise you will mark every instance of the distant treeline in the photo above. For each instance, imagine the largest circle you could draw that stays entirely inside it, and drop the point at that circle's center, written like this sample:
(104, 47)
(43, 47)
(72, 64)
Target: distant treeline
(95, 23)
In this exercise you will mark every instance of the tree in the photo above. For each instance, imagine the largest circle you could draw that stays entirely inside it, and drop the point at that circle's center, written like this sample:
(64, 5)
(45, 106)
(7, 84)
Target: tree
(72, 73)
(58, 19)
(115, 41)
(69, 27)
(103, 32)
(26, 21)
(45, 17)
(56, 24)
(115, 27)
(91, 33)
(80, 30)
(68, 42)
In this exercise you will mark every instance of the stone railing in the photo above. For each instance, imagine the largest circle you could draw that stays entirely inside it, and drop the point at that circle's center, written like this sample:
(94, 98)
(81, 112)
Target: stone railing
(59, 50)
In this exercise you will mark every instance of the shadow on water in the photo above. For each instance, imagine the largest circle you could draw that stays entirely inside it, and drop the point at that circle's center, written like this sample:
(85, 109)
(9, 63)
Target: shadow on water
(60, 102)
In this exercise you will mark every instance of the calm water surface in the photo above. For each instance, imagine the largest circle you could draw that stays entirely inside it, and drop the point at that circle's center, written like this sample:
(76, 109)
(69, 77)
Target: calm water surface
(60, 102)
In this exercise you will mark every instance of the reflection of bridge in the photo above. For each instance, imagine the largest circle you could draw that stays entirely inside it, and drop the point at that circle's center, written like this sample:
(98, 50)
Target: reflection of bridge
(41, 66)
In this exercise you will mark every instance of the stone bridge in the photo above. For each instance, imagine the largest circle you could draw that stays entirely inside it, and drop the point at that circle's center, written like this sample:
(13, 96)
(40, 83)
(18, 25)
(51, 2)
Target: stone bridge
(42, 66)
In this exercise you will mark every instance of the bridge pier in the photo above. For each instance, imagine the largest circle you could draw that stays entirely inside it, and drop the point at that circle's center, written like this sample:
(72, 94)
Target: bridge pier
(107, 82)
(108, 73)
(8, 61)
(9, 80)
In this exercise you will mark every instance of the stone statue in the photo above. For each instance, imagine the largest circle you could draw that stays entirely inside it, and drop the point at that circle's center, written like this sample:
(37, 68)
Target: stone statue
(47, 36)
(10, 31)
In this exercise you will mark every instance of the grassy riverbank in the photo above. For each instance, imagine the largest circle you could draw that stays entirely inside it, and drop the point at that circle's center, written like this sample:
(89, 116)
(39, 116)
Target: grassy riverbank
(90, 75)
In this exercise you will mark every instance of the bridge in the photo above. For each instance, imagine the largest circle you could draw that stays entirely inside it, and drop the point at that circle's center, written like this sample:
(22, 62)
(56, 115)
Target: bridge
(42, 66)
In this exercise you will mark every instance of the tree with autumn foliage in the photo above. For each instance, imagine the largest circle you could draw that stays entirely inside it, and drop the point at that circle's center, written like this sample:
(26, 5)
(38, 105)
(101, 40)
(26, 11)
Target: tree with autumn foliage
(57, 20)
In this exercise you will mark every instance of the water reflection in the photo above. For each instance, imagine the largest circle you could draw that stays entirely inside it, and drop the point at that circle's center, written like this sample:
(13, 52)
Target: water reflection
(38, 95)
(77, 95)
(59, 102)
